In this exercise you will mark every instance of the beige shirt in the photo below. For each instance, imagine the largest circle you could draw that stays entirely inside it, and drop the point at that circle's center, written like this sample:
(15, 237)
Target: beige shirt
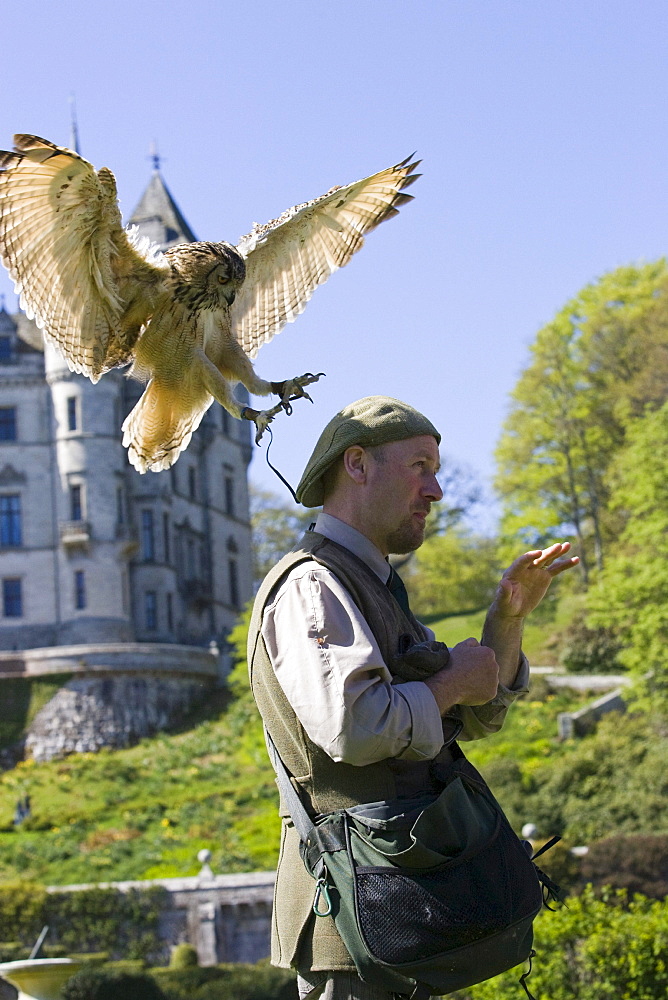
(330, 668)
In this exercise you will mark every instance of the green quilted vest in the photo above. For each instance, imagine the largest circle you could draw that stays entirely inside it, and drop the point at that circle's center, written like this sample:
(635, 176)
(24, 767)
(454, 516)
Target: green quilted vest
(298, 937)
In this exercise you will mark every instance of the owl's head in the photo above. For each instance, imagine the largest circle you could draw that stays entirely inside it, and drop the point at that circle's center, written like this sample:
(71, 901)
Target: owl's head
(207, 275)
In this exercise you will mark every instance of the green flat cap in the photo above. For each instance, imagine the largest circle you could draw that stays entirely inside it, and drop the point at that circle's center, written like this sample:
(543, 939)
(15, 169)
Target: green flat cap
(370, 421)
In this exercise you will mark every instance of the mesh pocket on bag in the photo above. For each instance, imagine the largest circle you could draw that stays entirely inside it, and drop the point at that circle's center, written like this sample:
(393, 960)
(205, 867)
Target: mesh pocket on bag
(408, 918)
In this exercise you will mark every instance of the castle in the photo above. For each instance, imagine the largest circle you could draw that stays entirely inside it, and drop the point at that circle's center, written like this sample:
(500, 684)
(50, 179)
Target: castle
(104, 570)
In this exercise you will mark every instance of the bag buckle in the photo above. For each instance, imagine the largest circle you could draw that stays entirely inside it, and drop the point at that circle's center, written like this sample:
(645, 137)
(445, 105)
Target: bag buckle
(322, 892)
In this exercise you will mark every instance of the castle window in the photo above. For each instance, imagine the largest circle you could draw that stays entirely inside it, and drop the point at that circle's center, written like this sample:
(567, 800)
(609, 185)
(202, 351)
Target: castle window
(12, 601)
(192, 482)
(151, 610)
(226, 421)
(233, 578)
(5, 348)
(147, 536)
(170, 613)
(166, 537)
(71, 413)
(10, 521)
(76, 506)
(79, 589)
(229, 495)
(7, 423)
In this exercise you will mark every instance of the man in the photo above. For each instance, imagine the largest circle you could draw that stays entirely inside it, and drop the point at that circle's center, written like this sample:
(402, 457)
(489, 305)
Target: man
(361, 706)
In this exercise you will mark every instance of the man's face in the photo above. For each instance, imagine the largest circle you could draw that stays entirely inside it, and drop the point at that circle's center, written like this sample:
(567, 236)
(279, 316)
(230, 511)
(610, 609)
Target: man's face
(401, 487)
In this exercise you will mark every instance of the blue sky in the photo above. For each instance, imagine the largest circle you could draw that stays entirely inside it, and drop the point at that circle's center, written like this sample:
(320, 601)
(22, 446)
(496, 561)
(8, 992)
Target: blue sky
(542, 128)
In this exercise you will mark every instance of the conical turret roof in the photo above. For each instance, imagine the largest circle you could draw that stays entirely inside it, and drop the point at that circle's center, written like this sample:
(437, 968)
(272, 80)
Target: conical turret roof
(158, 217)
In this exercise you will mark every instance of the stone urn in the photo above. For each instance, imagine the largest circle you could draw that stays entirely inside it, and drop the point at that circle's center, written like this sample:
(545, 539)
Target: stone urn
(39, 978)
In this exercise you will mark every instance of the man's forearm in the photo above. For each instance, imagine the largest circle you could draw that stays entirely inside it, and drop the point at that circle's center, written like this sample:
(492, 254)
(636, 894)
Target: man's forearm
(504, 636)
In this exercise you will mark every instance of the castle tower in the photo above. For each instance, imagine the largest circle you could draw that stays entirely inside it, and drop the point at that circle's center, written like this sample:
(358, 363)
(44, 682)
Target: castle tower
(90, 551)
(92, 557)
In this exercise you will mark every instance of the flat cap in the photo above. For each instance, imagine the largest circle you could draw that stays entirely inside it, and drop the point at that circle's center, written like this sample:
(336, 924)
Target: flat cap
(370, 421)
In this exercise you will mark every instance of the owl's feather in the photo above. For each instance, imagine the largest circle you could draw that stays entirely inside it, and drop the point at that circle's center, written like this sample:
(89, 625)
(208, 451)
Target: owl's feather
(72, 263)
(190, 319)
(288, 258)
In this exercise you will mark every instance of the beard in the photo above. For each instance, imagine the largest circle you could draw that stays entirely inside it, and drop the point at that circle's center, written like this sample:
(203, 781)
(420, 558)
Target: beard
(406, 537)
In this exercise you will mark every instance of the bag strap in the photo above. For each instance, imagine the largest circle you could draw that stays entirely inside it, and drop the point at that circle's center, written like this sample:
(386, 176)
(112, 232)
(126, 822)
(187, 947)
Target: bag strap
(301, 819)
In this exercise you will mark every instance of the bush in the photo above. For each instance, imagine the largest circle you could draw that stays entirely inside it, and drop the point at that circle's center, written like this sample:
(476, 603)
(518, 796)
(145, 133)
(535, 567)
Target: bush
(183, 984)
(124, 924)
(590, 650)
(95, 984)
(184, 956)
(22, 915)
(11, 951)
(612, 782)
(228, 982)
(638, 863)
(594, 949)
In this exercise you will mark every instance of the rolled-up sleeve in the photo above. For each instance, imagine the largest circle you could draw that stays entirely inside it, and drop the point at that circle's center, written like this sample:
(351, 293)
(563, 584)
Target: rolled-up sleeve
(331, 670)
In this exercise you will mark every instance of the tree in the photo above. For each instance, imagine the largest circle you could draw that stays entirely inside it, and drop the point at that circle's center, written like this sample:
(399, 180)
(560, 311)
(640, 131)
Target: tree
(454, 570)
(594, 369)
(462, 494)
(632, 594)
(453, 573)
(277, 525)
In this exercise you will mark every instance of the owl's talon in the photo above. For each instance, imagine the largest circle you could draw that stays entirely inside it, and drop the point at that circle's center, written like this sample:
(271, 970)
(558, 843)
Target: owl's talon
(261, 419)
(293, 388)
(261, 422)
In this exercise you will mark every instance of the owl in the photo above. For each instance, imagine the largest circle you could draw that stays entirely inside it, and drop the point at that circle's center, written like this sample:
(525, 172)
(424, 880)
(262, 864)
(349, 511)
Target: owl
(190, 320)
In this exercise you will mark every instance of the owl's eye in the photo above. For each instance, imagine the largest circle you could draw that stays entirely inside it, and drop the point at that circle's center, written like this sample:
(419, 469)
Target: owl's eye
(222, 279)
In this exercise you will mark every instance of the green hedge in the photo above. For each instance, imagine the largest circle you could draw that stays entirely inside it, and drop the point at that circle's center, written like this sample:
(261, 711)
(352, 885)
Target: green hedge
(95, 984)
(122, 924)
(221, 982)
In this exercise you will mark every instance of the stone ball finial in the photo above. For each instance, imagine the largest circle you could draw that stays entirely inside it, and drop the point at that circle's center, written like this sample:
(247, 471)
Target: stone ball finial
(529, 831)
(204, 857)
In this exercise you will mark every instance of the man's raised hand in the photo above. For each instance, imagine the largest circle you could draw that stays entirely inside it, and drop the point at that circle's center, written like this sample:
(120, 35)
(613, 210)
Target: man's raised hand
(524, 584)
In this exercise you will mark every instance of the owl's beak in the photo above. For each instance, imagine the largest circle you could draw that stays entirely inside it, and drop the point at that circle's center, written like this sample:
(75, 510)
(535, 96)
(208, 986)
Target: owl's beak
(230, 296)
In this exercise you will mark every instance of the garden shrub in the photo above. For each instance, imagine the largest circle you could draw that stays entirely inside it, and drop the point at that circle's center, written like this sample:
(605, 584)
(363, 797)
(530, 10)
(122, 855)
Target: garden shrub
(54, 951)
(182, 984)
(184, 956)
(227, 982)
(96, 984)
(594, 949)
(587, 650)
(22, 911)
(11, 951)
(124, 924)
(638, 863)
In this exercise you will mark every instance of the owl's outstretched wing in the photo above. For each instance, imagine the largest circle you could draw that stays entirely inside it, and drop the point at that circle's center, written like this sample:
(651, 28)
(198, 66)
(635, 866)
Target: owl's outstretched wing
(74, 267)
(290, 256)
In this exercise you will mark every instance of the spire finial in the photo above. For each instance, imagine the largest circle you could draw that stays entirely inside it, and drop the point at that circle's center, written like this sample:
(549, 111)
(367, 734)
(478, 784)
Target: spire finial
(74, 128)
(154, 156)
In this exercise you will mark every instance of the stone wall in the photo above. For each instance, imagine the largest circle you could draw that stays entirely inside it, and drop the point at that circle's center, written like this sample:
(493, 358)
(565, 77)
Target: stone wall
(89, 713)
(113, 694)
